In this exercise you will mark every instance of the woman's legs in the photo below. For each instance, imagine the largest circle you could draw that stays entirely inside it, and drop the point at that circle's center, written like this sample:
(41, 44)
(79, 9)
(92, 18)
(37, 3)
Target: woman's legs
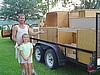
(30, 69)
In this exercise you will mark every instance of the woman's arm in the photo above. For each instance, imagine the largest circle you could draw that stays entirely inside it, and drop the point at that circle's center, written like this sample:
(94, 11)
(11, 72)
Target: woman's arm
(21, 52)
(31, 52)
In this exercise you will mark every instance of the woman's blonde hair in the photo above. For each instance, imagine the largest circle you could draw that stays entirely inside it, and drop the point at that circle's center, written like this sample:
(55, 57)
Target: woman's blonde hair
(23, 37)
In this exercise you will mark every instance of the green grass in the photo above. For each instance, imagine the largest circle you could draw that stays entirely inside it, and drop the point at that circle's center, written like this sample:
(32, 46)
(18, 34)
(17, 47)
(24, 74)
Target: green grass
(10, 66)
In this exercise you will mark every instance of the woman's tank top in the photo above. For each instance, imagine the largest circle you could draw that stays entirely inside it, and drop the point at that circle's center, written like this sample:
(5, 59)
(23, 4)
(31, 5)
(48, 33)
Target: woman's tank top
(21, 31)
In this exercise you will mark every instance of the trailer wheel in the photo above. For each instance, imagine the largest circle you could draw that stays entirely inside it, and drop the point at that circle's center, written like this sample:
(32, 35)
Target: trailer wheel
(39, 53)
(51, 59)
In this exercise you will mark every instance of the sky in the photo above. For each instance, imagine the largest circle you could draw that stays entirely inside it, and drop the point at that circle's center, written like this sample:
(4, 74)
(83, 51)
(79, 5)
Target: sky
(1, 2)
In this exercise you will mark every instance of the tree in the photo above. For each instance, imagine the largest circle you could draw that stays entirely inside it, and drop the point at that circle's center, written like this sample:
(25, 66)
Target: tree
(90, 4)
(11, 9)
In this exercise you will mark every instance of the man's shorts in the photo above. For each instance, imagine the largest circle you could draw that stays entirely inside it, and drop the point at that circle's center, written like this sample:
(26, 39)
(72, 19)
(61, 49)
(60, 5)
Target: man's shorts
(17, 53)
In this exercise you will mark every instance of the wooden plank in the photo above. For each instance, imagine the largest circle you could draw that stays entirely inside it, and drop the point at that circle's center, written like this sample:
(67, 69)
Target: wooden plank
(84, 57)
(86, 39)
(50, 35)
(64, 37)
(43, 36)
(74, 14)
(35, 29)
(88, 13)
(86, 22)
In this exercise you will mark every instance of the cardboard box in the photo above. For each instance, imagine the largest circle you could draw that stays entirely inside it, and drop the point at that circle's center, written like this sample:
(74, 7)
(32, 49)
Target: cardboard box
(57, 19)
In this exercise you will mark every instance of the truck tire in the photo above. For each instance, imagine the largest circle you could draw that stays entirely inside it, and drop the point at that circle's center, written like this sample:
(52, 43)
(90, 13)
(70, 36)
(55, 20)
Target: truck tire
(51, 59)
(39, 54)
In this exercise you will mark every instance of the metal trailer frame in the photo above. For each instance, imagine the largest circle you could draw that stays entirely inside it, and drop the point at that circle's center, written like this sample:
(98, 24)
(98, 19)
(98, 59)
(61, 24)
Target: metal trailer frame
(97, 29)
(68, 58)
(92, 66)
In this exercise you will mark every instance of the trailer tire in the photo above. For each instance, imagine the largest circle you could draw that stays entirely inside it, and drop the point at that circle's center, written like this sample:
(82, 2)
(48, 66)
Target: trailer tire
(39, 54)
(51, 59)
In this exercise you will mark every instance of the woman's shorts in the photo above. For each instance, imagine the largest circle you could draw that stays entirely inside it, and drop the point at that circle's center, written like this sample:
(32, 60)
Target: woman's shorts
(28, 61)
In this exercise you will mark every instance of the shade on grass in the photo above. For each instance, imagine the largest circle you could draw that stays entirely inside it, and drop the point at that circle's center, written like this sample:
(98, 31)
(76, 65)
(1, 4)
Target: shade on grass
(10, 66)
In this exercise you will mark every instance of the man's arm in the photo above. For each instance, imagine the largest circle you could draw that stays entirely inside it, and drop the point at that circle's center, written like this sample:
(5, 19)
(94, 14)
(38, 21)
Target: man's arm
(14, 32)
(35, 33)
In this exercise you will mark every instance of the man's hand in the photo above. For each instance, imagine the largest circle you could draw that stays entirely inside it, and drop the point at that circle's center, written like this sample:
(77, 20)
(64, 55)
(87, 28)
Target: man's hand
(42, 32)
(19, 43)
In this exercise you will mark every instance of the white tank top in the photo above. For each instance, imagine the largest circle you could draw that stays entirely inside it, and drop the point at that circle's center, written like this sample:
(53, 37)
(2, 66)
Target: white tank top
(21, 31)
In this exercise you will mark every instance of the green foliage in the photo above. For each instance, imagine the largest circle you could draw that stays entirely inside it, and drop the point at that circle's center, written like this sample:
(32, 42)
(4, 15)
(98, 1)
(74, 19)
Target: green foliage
(0, 27)
(11, 9)
(90, 4)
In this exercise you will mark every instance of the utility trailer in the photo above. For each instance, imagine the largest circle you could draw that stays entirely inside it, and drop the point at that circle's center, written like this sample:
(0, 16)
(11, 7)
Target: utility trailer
(52, 53)
(53, 56)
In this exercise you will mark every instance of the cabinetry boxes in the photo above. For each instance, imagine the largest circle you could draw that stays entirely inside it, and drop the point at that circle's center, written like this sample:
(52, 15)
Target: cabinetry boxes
(66, 35)
(42, 23)
(88, 13)
(50, 35)
(43, 36)
(57, 19)
(35, 29)
(86, 22)
(86, 39)
(98, 44)
(74, 14)
(84, 57)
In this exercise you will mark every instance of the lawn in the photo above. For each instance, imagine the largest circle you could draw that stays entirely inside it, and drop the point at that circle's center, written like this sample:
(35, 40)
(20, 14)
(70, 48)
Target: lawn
(10, 66)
